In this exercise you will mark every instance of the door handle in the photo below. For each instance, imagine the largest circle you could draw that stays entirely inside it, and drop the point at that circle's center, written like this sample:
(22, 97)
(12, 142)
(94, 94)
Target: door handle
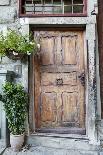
(59, 82)
(81, 78)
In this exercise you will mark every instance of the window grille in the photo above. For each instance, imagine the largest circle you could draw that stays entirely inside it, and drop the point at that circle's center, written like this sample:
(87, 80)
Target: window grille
(53, 7)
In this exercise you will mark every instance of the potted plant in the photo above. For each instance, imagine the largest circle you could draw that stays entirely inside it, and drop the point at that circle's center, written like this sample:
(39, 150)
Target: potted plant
(15, 101)
(15, 45)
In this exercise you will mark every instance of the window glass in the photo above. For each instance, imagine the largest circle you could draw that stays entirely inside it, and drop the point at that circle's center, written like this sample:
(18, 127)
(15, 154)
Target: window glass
(56, 2)
(77, 1)
(77, 9)
(46, 7)
(67, 9)
(57, 6)
(67, 2)
(29, 8)
(47, 2)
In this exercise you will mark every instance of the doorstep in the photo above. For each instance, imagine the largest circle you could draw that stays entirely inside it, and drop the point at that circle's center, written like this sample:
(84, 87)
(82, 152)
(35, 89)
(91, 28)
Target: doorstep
(39, 150)
(59, 142)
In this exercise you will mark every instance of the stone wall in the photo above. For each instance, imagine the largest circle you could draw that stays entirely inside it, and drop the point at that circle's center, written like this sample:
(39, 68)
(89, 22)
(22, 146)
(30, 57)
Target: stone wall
(9, 20)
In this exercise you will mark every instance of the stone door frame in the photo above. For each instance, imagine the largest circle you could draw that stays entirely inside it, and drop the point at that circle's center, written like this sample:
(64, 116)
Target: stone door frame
(91, 97)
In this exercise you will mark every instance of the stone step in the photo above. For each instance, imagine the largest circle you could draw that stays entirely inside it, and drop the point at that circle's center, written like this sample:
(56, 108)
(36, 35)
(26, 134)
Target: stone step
(61, 143)
(39, 150)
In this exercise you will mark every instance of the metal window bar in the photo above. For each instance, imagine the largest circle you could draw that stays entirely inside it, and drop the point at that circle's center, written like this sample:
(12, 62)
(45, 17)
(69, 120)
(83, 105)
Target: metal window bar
(72, 6)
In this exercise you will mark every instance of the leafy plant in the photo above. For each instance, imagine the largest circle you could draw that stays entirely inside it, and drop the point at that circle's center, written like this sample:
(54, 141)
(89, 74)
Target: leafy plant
(2, 45)
(16, 42)
(15, 105)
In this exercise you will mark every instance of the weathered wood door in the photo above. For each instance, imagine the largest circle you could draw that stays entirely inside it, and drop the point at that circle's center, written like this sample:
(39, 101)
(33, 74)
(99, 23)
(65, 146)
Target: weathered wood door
(59, 82)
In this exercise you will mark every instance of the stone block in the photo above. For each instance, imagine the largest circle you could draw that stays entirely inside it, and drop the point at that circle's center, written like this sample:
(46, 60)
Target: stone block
(5, 2)
(7, 14)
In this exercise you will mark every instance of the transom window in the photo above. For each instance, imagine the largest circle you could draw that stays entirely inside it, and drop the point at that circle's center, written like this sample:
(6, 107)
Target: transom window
(53, 7)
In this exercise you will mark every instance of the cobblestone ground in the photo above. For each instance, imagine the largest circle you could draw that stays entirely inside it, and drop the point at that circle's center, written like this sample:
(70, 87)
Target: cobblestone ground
(39, 150)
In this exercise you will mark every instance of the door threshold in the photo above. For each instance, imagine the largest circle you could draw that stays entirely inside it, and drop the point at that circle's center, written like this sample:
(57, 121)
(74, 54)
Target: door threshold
(56, 135)
(62, 130)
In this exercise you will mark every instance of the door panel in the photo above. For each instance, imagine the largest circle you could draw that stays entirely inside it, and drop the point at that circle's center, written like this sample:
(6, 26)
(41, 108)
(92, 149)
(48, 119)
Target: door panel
(59, 92)
(48, 107)
(69, 46)
(47, 45)
(58, 51)
(51, 78)
(70, 109)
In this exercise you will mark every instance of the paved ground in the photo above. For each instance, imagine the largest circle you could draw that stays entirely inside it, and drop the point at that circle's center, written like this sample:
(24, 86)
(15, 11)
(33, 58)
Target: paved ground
(2, 146)
(39, 150)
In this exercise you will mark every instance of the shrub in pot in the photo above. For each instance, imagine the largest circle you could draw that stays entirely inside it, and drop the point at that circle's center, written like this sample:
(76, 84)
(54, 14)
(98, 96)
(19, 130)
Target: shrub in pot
(15, 101)
(16, 46)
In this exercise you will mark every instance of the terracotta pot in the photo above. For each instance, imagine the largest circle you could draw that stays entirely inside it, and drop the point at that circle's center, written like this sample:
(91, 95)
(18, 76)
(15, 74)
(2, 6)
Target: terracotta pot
(16, 142)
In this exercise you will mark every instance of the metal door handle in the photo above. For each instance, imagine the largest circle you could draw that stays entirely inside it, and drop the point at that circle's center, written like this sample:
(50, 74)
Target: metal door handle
(59, 82)
(81, 78)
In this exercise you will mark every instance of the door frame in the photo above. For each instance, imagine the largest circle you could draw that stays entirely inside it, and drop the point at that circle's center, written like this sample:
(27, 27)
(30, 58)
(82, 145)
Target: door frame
(90, 60)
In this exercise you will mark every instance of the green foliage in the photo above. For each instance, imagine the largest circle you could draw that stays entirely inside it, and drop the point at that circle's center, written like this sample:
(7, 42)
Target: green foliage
(2, 45)
(15, 105)
(16, 42)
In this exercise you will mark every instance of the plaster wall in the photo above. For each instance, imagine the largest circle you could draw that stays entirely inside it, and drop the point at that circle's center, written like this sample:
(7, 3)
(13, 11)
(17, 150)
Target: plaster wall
(9, 19)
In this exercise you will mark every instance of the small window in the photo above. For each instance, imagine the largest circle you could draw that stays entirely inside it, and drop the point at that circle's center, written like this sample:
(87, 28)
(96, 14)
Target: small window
(53, 7)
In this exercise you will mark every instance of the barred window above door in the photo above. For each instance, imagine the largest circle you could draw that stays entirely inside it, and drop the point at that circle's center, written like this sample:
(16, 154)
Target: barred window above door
(53, 7)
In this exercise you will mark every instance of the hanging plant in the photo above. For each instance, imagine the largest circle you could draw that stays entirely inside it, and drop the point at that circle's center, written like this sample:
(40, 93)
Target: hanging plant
(15, 45)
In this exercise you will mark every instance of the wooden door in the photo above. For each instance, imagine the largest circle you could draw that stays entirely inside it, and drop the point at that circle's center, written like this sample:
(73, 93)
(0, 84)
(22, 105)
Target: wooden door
(59, 82)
